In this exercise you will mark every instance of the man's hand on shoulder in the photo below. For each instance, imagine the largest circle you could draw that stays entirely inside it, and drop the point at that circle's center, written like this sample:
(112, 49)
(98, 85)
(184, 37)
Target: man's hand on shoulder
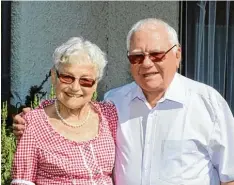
(19, 123)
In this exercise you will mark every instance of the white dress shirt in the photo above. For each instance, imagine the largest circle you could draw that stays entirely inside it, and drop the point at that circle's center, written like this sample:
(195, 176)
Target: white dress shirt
(186, 139)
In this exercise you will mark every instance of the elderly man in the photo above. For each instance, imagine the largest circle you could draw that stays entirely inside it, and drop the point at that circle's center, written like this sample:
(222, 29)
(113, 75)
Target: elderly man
(172, 130)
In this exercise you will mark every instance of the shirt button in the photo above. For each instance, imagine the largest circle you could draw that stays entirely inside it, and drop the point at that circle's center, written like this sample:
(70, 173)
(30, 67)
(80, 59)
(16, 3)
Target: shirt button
(97, 172)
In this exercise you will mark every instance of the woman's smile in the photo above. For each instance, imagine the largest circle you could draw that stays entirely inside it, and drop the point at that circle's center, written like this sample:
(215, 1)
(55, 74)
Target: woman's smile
(73, 95)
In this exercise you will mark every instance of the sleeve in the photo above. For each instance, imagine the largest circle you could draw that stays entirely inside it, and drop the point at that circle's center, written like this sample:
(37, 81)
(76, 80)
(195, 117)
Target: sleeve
(222, 141)
(112, 118)
(25, 160)
(106, 95)
(110, 96)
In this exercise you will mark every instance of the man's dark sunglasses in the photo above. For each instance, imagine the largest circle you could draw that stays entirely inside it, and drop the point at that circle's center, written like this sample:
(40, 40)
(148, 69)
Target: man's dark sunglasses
(153, 56)
(67, 79)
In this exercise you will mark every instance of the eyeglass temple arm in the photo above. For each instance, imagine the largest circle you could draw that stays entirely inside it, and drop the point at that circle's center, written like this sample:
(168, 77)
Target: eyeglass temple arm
(168, 50)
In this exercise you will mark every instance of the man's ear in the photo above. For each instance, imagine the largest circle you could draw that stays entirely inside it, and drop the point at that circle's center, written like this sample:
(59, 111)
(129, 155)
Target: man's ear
(53, 76)
(178, 56)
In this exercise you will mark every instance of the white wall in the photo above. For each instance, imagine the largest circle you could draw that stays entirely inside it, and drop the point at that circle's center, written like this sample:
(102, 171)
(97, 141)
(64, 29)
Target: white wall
(39, 27)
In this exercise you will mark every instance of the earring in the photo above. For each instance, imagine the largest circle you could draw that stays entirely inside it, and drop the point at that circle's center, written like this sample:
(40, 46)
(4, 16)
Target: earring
(52, 94)
(95, 95)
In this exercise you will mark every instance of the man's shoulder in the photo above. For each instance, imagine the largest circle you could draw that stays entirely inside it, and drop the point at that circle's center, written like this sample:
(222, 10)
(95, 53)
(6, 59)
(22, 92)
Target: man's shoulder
(120, 92)
(204, 98)
(210, 97)
(199, 88)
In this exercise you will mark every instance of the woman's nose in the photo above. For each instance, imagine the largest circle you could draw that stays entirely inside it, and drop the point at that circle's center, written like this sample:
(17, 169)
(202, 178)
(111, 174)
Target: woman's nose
(75, 86)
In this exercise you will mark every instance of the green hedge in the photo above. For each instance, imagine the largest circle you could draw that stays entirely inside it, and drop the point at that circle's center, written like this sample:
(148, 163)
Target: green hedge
(8, 147)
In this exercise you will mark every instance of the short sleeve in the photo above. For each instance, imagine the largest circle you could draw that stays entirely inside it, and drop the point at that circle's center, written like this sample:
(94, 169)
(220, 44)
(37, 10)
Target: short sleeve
(112, 117)
(25, 160)
(222, 141)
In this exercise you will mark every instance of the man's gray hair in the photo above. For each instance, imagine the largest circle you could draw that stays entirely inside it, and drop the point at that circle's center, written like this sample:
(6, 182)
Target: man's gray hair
(76, 46)
(154, 23)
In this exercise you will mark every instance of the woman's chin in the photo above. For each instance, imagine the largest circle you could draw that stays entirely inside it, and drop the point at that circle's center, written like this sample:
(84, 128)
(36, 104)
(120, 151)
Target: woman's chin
(74, 106)
(73, 103)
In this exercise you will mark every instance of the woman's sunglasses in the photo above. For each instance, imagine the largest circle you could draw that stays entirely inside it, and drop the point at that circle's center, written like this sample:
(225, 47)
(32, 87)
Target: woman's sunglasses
(153, 56)
(67, 79)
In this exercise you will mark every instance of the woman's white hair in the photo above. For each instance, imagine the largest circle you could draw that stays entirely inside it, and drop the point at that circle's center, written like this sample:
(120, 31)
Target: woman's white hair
(154, 23)
(77, 46)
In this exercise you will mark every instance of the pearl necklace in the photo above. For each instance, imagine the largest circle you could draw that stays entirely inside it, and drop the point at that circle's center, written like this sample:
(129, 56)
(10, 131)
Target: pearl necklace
(65, 122)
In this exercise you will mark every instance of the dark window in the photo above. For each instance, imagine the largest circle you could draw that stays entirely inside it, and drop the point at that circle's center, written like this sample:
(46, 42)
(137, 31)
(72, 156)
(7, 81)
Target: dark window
(207, 38)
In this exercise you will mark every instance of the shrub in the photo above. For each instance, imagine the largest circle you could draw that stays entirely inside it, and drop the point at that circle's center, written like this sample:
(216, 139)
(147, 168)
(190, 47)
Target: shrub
(7, 148)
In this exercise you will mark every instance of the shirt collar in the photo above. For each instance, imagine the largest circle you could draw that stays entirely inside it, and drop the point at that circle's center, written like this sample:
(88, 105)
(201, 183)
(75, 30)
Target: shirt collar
(175, 91)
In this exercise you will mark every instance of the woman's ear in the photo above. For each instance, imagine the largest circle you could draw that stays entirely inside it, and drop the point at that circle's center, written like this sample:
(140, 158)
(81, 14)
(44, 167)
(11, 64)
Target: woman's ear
(53, 76)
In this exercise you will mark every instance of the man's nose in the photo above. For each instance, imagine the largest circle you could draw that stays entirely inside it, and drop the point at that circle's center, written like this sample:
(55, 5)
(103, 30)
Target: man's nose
(147, 62)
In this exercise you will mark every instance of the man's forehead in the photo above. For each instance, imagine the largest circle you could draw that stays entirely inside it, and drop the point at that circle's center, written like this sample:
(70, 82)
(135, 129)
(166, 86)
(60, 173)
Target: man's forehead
(140, 50)
(149, 41)
(153, 33)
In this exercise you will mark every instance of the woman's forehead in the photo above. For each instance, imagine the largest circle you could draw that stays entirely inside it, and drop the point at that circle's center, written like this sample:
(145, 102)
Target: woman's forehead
(79, 68)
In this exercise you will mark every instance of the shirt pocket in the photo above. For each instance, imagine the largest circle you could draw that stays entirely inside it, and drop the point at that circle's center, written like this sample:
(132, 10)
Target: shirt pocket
(178, 158)
(191, 146)
(170, 161)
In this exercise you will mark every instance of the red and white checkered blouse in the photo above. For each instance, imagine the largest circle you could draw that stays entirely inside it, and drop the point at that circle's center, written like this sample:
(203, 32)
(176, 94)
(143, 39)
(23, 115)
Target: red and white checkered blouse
(44, 157)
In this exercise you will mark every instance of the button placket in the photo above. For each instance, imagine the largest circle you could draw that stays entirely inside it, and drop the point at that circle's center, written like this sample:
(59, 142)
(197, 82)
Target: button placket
(148, 149)
(97, 172)
(86, 148)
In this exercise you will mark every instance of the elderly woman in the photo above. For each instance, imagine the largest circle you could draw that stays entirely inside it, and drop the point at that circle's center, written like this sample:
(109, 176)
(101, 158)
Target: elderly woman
(69, 140)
